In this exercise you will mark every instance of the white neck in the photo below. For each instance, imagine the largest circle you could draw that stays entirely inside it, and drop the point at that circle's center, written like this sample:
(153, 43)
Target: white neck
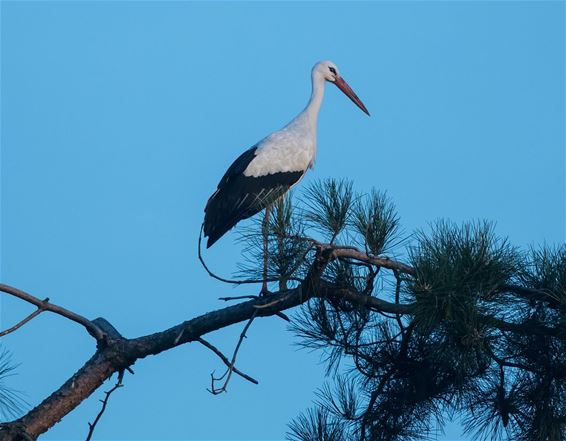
(316, 97)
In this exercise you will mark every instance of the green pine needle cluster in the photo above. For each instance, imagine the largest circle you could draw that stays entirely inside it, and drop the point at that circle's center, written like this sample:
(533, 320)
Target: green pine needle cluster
(545, 271)
(328, 205)
(11, 401)
(376, 221)
(459, 272)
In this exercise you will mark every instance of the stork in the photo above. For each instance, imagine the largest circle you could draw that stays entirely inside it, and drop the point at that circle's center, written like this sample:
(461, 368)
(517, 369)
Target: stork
(266, 171)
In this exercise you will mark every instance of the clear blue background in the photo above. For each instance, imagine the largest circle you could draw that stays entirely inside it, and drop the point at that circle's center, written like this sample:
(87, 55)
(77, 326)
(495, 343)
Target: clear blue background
(118, 119)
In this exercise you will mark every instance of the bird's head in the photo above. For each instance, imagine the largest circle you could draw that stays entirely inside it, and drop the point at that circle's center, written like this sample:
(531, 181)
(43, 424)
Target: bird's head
(328, 71)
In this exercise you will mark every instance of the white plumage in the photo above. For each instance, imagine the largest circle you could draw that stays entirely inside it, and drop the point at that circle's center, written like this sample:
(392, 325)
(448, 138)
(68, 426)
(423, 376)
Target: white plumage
(290, 149)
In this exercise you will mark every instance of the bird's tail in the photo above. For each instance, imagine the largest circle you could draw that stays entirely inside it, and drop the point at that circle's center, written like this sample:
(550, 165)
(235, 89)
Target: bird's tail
(218, 220)
(216, 233)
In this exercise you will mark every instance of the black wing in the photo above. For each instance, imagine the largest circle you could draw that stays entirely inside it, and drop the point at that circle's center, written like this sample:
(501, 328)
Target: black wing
(238, 166)
(239, 197)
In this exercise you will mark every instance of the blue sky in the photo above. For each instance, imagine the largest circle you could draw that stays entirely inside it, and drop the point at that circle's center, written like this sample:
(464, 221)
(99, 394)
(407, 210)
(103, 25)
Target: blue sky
(119, 118)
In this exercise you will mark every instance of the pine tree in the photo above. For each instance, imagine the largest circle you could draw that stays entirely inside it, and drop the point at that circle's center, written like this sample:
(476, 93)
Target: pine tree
(476, 327)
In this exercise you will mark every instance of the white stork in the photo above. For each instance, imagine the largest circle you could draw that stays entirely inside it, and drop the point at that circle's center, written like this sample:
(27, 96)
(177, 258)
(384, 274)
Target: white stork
(266, 171)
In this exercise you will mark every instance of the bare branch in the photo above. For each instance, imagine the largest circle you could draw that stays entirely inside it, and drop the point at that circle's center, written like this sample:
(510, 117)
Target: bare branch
(225, 360)
(92, 426)
(92, 329)
(222, 279)
(228, 374)
(18, 325)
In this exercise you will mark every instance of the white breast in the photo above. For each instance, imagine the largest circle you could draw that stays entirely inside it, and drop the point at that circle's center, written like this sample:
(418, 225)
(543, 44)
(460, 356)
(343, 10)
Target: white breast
(290, 149)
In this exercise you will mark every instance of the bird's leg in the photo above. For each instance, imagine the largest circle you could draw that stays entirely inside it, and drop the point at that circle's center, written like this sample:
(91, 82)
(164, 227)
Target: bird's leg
(265, 231)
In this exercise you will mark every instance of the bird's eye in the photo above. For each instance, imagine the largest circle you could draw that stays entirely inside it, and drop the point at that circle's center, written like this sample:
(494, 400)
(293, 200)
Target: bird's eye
(332, 70)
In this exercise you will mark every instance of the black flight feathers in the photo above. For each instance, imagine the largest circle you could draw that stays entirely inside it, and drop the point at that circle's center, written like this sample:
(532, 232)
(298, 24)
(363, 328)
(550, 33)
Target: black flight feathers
(239, 197)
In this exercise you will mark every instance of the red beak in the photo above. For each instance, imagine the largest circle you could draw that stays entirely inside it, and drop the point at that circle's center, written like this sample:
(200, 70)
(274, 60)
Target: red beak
(343, 86)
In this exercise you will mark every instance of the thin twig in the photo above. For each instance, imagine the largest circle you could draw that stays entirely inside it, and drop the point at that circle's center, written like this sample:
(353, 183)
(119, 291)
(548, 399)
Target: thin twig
(373, 398)
(386, 377)
(222, 279)
(18, 325)
(92, 426)
(225, 360)
(92, 329)
(228, 374)
(503, 362)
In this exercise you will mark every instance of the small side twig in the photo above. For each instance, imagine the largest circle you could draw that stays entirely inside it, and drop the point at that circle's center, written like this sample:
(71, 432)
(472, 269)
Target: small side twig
(92, 426)
(225, 360)
(91, 327)
(222, 279)
(18, 325)
(228, 374)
